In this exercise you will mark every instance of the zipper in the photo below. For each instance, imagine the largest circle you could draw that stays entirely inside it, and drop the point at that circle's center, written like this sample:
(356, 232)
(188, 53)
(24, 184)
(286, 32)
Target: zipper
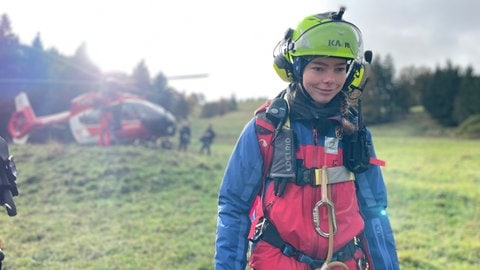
(315, 191)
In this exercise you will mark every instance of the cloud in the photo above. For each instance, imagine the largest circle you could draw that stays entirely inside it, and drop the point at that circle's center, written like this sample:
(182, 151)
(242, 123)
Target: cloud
(233, 40)
(422, 32)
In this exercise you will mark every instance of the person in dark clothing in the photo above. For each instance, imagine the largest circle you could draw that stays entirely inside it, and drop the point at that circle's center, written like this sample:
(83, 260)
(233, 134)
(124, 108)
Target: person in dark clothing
(207, 140)
(8, 184)
(184, 137)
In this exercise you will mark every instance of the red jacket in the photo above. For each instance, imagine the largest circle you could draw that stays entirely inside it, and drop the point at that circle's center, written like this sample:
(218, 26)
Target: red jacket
(292, 213)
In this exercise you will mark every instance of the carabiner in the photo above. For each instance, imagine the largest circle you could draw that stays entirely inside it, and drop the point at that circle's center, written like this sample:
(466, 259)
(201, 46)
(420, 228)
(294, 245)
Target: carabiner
(362, 264)
(316, 217)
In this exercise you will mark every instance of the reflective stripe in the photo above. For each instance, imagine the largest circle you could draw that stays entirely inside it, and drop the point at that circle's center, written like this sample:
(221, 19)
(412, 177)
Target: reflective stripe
(334, 175)
(338, 175)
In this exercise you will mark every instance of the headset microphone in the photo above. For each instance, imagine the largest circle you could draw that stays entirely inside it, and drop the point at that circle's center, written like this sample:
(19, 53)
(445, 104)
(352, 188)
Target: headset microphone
(368, 56)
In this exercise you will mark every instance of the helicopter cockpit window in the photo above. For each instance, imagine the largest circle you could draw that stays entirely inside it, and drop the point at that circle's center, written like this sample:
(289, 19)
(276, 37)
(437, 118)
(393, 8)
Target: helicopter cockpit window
(128, 112)
(141, 111)
(90, 117)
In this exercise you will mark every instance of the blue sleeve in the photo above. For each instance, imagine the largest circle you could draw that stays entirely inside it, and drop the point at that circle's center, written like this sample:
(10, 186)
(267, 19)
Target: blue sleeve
(241, 183)
(372, 199)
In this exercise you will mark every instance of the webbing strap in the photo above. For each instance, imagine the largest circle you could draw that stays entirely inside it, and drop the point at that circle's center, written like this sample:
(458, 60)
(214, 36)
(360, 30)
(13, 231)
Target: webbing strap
(378, 162)
(287, 120)
(334, 175)
(268, 233)
(338, 175)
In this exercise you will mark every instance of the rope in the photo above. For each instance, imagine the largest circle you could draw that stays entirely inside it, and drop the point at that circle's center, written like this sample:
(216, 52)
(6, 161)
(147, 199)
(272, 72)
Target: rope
(328, 264)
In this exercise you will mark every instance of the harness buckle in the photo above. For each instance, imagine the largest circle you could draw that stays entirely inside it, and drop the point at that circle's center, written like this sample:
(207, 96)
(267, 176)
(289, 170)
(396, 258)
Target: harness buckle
(259, 229)
(290, 251)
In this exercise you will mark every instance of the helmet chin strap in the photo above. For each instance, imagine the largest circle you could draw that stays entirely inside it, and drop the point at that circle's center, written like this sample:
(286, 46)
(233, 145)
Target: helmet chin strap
(305, 93)
(299, 89)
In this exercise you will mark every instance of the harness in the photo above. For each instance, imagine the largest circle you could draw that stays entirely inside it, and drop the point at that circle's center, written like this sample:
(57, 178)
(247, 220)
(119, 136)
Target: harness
(274, 135)
(267, 232)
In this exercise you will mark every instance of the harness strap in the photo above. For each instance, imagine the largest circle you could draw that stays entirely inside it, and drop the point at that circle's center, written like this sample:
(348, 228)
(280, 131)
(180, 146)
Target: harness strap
(334, 175)
(267, 232)
(378, 162)
(305, 176)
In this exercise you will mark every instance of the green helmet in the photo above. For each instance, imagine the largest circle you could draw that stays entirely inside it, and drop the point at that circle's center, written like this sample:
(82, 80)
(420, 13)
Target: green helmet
(325, 34)
(326, 37)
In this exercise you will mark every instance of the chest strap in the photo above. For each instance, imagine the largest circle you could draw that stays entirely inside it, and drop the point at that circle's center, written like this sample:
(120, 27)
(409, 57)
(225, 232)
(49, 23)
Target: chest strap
(304, 176)
(334, 175)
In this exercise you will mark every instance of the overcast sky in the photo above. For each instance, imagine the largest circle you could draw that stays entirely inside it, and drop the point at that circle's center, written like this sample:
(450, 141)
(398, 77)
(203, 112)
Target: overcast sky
(233, 41)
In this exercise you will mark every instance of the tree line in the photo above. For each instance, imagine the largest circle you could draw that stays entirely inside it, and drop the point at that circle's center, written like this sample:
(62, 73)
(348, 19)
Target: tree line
(52, 80)
(448, 94)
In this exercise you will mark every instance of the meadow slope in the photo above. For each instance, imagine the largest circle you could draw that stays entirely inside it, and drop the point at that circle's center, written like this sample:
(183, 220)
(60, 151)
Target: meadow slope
(142, 207)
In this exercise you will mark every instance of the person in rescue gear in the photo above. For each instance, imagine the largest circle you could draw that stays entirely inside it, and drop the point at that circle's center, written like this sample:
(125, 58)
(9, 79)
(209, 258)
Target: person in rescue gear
(106, 118)
(302, 188)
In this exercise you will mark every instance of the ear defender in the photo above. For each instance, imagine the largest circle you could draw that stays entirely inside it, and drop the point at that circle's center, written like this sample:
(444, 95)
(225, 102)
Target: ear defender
(354, 75)
(281, 63)
(358, 75)
(283, 68)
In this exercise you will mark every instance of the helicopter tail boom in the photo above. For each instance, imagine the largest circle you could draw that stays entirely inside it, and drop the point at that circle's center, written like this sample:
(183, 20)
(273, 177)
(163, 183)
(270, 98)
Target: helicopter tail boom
(23, 121)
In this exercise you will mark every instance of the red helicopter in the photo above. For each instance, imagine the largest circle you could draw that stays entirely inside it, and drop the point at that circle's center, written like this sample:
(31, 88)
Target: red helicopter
(96, 118)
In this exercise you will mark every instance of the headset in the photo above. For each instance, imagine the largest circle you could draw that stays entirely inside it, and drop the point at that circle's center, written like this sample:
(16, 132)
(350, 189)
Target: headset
(358, 76)
(282, 65)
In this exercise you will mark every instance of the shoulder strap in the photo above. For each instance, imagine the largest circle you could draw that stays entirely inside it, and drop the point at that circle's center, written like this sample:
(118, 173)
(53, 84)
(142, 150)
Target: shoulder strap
(265, 131)
(270, 117)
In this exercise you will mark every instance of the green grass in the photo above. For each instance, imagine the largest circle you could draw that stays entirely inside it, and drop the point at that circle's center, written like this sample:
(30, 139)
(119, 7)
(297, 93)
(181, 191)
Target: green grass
(112, 208)
(434, 196)
(137, 207)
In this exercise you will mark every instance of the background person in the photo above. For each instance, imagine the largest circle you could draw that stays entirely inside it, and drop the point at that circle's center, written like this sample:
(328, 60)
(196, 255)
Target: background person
(184, 137)
(207, 140)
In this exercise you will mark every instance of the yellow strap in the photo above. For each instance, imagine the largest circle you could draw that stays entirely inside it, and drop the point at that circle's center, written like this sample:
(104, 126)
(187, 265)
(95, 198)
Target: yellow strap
(287, 121)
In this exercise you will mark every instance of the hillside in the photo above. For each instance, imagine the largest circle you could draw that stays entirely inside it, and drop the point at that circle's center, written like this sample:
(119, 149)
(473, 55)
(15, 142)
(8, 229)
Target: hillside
(138, 207)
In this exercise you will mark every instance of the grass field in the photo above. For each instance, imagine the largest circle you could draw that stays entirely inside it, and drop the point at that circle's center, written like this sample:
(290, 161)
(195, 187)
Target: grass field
(137, 207)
